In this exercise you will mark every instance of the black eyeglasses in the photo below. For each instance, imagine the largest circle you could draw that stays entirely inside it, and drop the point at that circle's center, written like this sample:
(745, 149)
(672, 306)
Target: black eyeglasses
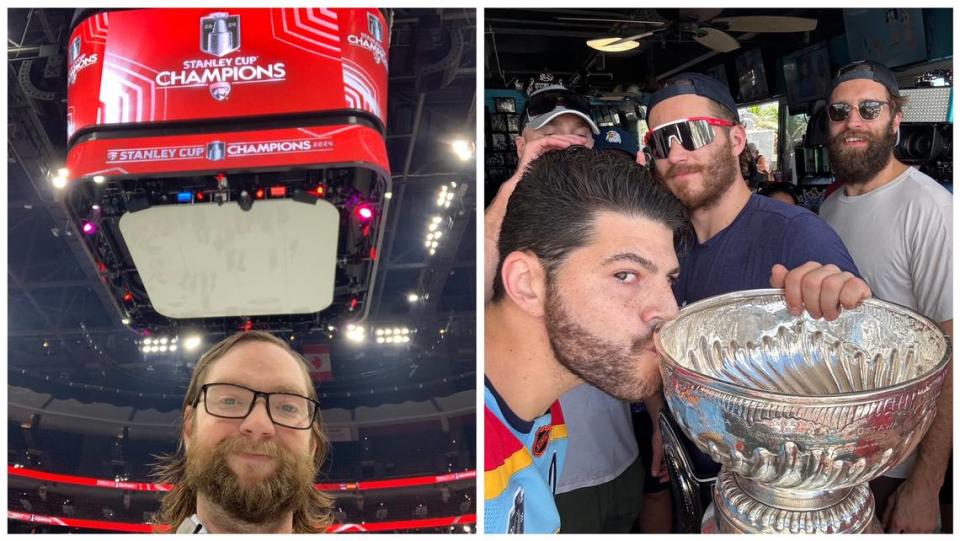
(230, 401)
(868, 109)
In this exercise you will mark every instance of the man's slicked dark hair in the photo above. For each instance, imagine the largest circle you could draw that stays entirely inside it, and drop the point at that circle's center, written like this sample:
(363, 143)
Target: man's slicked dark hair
(553, 208)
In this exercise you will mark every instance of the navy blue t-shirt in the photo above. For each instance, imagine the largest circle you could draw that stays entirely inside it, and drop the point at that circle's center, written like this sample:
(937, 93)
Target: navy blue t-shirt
(766, 232)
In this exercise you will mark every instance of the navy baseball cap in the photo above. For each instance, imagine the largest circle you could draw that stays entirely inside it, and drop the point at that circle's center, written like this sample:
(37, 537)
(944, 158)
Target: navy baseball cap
(617, 139)
(697, 84)
(866, 69)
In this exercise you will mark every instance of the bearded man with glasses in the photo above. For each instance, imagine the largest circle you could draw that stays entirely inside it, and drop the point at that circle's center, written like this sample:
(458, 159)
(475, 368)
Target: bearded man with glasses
(250, 445)
(897, 223)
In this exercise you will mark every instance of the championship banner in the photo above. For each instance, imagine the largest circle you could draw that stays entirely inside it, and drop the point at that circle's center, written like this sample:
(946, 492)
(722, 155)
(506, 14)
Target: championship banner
(208, 153)
(148, 66)
(161, 92)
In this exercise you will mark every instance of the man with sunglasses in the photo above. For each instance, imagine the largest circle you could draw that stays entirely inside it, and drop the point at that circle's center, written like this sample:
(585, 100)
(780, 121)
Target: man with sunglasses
(250, 444)
(897, 223)
(738, 240)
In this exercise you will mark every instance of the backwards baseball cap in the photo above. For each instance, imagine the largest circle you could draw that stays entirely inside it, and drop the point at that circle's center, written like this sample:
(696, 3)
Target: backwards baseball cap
(550, 102)
(617, 139)
(866, 69)
(699, 85)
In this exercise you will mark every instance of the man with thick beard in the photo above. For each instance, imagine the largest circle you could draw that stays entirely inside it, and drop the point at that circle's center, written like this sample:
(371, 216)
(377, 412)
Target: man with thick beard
(738, 240)
(585, 268)
(250, 444)
(897, 223)
(600, 491)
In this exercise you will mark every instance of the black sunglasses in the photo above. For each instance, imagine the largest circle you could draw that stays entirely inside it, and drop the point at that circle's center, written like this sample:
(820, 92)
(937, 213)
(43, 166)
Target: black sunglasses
(548, 100)
(868, 109)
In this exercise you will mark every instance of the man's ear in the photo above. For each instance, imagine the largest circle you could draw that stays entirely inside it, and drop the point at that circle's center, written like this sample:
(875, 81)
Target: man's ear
(520, 142)
(525, 282)
(189, 417)
(897, 119)
(738, 139)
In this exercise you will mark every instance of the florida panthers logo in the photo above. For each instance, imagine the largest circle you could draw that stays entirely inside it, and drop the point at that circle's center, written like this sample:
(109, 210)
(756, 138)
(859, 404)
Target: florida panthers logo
(220, 91)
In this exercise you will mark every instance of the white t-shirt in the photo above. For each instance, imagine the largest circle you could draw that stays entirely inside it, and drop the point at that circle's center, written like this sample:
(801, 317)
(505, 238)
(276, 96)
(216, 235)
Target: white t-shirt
(900, 236)
(601, 443)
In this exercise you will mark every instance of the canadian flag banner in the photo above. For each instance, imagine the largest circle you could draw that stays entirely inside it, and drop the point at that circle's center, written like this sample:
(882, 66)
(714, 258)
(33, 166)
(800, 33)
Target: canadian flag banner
(318, 360)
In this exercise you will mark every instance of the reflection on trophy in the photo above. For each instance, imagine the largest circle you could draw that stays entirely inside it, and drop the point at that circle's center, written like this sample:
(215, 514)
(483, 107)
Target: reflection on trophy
(801, 413)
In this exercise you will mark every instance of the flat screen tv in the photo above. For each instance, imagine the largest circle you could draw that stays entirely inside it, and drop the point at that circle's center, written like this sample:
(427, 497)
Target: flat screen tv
(894, 37)
(752, 76)
(807, 74)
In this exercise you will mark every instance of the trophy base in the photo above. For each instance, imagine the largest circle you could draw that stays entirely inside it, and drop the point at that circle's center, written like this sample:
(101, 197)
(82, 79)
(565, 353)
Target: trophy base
(744, 506)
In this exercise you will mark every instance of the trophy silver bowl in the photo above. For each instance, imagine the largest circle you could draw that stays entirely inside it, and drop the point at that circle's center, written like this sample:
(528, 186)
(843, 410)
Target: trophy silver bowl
(800, 413)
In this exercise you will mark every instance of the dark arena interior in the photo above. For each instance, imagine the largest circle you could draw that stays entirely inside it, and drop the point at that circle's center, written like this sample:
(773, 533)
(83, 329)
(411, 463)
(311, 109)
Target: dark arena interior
(114, 292)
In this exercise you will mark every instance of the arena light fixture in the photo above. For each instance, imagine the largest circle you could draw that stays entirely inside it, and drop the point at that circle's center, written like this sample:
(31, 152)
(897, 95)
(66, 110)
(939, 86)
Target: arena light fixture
(192, 342)
(463, 149)
(364, 212)
(356, 333)
(396, 336)
(159, 344)
(59, 180)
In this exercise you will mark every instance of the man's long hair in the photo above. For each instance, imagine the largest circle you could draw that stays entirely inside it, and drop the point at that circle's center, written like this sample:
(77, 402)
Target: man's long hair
(181, 502)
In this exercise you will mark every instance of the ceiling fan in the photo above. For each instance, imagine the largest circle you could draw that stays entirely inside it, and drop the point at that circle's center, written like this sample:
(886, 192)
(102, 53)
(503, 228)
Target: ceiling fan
(705, 27)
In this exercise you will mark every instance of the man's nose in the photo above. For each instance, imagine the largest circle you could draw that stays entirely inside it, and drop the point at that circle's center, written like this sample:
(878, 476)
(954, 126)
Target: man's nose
(662, 308)
(854, 120)
(676, 152)
(258, 422)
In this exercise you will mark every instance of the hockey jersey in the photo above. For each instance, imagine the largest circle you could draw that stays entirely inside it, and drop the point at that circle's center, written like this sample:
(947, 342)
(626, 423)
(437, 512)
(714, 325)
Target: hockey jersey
(522, 462)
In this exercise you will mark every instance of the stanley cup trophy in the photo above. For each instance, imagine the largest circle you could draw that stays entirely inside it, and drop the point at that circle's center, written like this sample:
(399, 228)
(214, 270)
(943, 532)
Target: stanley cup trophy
(801, 413)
